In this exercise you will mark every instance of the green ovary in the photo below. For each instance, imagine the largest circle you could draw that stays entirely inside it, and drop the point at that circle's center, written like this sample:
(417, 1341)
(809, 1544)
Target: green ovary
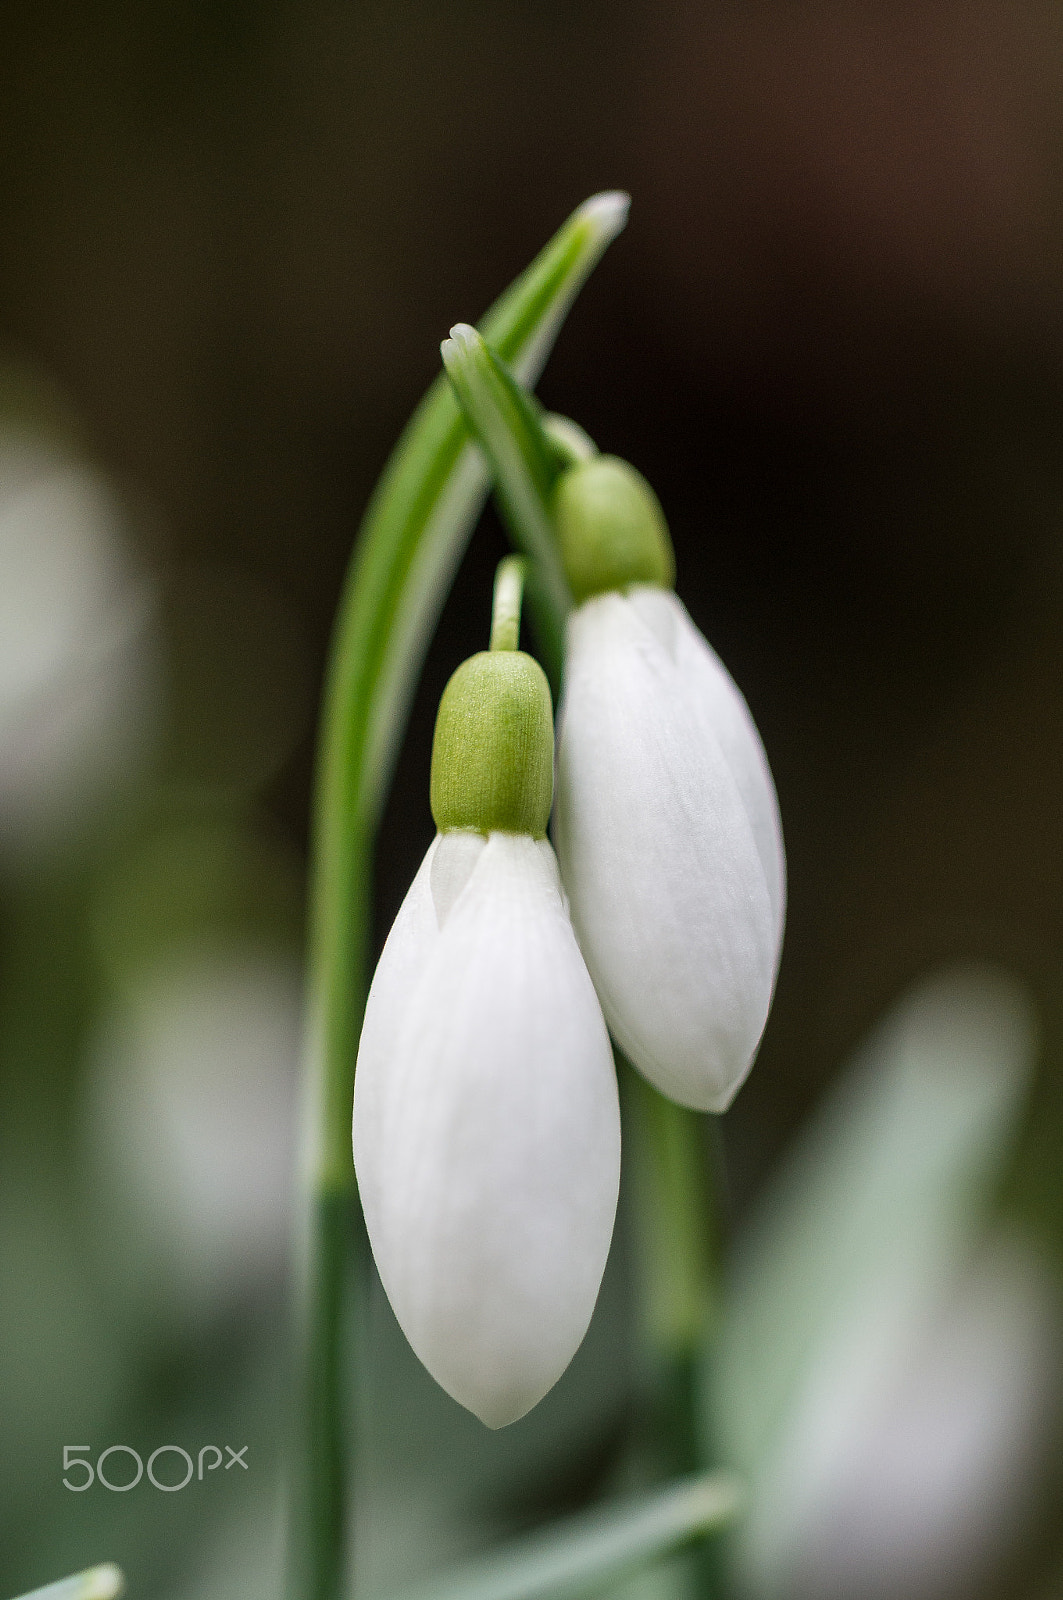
(611, 528)
(493, 750)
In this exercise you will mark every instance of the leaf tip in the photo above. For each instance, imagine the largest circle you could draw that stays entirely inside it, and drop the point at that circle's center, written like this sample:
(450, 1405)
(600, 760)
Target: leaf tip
(607, 211)
(464, 341)
(106, 1582)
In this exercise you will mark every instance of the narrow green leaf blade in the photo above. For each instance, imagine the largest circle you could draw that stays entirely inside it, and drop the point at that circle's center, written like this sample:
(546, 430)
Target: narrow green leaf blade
(409, 546)
(591, 1549)
(411, 540)
(105, 1582)
(430, 493)
(508, 426)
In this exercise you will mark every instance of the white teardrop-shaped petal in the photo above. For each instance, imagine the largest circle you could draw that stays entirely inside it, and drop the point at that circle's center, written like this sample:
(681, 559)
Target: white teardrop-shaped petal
(487, 1131)
(453, 860)
(668, 891)
(717, 699)
(442, 875)
(409, 945)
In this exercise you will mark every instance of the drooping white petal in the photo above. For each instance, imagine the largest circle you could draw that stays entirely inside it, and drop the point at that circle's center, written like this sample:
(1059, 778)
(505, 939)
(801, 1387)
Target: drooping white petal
(456, 854)
(486, 1129)
(717, 699)
(405, 955)
(668, 889)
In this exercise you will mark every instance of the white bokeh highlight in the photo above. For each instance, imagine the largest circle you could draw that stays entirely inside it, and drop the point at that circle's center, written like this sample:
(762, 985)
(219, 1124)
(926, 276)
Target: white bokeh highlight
(191, 1121)
(78, 657)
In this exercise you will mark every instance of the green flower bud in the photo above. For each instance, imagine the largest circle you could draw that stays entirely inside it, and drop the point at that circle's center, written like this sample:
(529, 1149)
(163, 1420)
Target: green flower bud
(493, 750)
(611, 528)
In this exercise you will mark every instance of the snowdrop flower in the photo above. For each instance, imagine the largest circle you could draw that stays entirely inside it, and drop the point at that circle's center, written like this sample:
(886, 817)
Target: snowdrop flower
(666, 822)
(486, 1123)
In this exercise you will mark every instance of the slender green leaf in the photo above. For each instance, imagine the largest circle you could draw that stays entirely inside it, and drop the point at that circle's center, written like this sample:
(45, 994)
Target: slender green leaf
(96, 1583)
(509, 427)
(409, 546)
(591, 1549)
(408, 549)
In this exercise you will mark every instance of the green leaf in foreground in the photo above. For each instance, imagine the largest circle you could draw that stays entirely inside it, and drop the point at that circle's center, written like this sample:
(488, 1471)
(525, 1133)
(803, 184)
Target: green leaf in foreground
(595, 1547)
(96, 1583)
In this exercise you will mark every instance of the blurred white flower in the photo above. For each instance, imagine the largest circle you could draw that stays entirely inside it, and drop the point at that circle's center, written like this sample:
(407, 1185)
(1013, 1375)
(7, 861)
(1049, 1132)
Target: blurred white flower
(190, 1121)
(668, 834)
(486, 1123)
(885, 1375)
(78, 676)
(922, 1446)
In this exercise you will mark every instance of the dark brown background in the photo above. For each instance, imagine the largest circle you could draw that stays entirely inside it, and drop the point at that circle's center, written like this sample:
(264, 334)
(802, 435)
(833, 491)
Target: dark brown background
(832, 337)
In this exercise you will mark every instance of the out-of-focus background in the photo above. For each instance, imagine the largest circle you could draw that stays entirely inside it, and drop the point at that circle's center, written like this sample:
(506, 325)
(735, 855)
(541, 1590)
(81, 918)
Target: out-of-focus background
(231, 238)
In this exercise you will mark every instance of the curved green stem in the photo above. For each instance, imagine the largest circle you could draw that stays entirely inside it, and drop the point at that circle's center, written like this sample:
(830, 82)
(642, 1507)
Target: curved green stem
(411, 540)
(676, 1262)
(505, 608)
(675, 1210)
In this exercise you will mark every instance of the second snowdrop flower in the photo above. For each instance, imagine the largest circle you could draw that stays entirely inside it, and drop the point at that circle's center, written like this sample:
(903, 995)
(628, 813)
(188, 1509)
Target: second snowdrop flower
(666, 823)
(486, 1123)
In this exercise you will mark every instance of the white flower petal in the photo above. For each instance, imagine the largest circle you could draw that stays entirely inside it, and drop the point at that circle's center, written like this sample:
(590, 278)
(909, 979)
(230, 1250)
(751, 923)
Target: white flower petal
(668, 891)
(455, 857)
(720, 704)
(406, 952)
(487, 1136)
(442, 876)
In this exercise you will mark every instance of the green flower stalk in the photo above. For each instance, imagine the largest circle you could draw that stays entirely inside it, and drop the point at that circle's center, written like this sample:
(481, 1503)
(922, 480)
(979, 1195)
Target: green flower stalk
(407, 552)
